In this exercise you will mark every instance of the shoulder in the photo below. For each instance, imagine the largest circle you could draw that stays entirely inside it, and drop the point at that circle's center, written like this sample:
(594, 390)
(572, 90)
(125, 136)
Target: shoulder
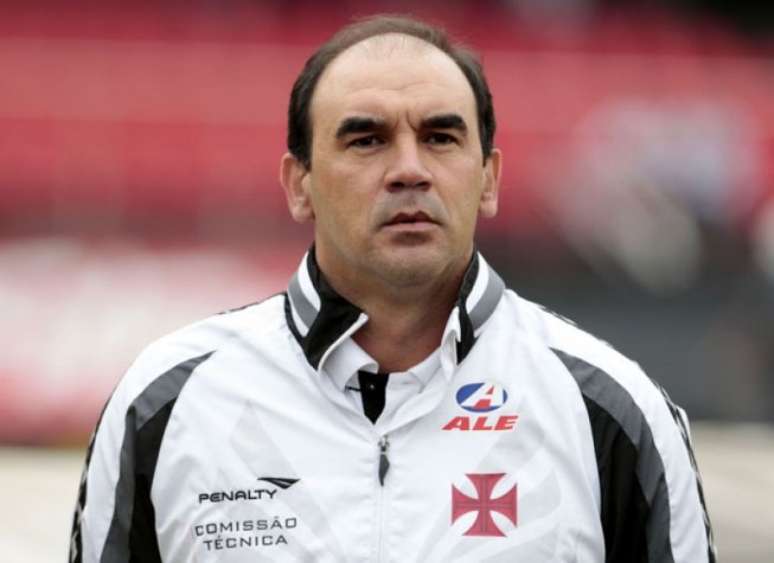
(188, 347)
(611, 385)
(591, 361)
(647, 473)
(161, 372)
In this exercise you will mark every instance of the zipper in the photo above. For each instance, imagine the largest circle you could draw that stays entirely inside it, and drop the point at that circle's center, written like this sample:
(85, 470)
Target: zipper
(383, 468)
(384, 461)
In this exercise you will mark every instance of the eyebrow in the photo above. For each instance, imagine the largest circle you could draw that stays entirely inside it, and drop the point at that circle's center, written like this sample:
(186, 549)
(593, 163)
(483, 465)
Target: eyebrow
(359, 125)
(445, 121)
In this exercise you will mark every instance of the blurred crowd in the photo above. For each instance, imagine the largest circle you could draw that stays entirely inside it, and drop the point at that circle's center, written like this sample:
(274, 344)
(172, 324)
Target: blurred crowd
(138, 189)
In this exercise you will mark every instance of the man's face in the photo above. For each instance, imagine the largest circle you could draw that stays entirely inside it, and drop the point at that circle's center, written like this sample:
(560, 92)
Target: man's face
(397, 175)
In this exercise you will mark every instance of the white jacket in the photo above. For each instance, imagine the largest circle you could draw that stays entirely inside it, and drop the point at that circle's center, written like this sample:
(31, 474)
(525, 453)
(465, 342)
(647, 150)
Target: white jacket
(228, 441)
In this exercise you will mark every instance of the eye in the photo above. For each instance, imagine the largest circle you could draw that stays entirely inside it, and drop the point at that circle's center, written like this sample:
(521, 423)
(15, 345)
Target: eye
(438, 138)
(365, 142)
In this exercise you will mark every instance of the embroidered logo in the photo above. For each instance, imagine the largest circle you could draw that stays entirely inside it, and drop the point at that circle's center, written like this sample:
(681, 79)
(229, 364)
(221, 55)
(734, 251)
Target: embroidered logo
(484, 505)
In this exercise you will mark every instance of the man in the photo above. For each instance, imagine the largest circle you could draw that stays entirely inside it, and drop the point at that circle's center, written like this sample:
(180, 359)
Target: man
(396, 403)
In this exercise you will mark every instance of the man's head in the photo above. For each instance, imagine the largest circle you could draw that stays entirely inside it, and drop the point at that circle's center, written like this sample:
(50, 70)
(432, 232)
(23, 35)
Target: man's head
(299, 122)
(397, 170)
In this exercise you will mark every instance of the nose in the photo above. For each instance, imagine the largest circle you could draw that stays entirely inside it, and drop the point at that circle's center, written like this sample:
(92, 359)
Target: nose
(406, 169)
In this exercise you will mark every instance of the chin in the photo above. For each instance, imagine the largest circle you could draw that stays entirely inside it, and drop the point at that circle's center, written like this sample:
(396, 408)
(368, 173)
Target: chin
(407, 267)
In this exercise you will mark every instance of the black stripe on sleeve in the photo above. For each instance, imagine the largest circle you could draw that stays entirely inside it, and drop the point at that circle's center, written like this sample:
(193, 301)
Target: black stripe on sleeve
(624, 510)
(635, 511)
(132, 533)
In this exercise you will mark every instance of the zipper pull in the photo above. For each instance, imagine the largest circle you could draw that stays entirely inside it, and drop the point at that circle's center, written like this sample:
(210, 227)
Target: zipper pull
(384, 462)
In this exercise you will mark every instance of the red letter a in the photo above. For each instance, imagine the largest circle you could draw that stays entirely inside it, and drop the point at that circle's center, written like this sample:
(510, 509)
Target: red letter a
(458, 423)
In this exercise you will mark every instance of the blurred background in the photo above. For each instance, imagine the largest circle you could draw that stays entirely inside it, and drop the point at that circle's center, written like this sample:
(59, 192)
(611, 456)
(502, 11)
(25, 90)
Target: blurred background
(139, 153)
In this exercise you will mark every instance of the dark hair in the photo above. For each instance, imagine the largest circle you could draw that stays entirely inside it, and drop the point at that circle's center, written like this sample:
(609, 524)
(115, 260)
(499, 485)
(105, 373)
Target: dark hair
(299, 121)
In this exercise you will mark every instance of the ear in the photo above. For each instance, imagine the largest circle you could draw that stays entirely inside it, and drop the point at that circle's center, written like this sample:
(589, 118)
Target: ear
(487, 205)
(295, 180)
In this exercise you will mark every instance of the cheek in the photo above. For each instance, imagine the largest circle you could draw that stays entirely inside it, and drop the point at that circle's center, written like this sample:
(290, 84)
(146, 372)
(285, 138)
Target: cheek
(463, 193)
(357, 182)
(342, 198)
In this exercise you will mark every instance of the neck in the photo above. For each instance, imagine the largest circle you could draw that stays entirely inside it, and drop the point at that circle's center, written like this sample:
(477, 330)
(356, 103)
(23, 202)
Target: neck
(405, 324)
(399, 335)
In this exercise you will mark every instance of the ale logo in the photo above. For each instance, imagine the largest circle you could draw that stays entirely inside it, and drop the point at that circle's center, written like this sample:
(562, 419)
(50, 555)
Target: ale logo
(481, 397)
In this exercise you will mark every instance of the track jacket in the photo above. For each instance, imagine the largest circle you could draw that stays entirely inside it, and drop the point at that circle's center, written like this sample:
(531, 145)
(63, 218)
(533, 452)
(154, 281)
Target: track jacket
(533, 441)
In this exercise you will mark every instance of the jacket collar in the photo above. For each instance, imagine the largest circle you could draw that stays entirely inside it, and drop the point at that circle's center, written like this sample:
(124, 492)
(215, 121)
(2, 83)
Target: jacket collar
(320, 319)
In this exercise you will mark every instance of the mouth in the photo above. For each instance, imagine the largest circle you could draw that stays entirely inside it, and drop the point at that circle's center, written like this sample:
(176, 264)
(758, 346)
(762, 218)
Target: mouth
(418, 218)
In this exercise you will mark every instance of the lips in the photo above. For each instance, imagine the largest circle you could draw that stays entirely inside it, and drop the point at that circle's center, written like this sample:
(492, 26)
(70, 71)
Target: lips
(405, 218)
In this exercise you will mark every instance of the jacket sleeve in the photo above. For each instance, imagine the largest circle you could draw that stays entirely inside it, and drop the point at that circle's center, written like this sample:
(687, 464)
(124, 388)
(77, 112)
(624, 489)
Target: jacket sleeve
(652, 506)
(114, 518)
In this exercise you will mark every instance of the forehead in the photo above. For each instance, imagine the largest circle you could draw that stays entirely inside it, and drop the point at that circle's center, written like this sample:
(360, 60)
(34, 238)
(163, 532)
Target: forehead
(388, 74)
